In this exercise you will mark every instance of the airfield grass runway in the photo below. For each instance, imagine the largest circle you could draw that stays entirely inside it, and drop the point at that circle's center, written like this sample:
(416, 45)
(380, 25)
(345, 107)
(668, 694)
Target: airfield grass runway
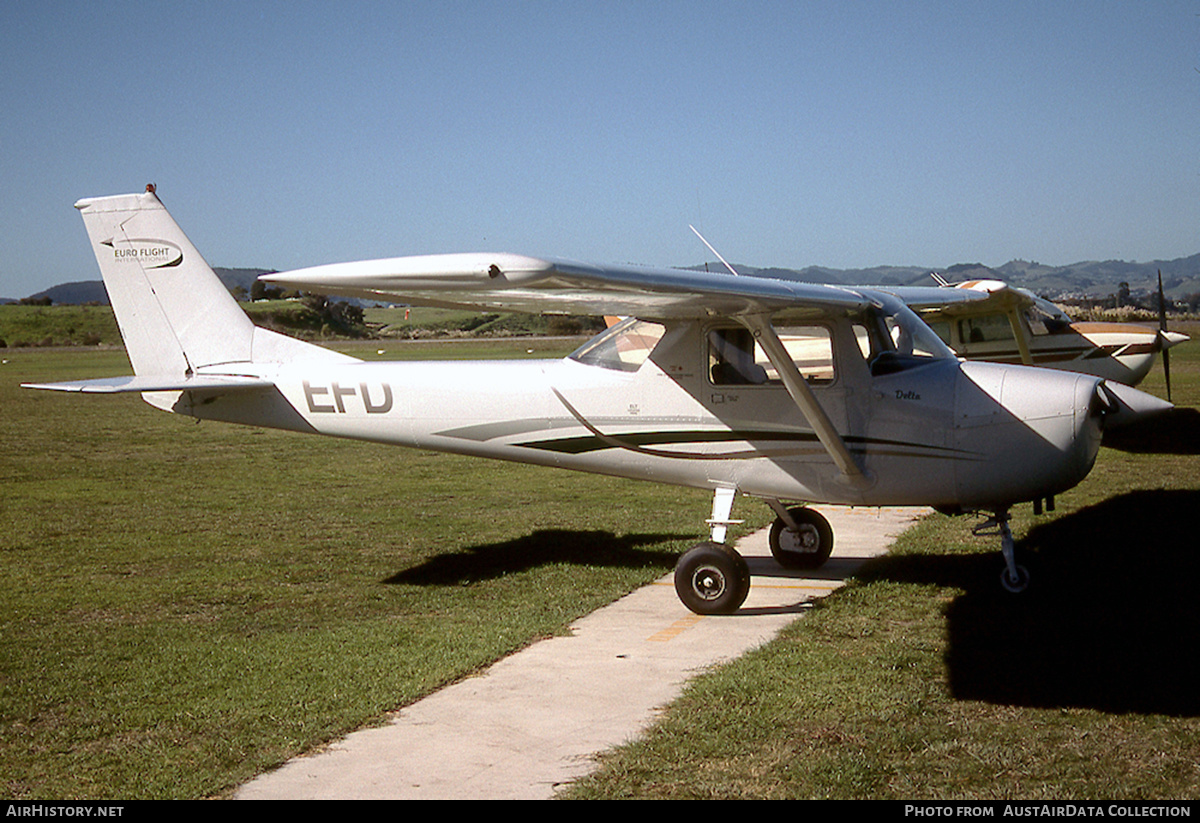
(533, 722)
(188, 606)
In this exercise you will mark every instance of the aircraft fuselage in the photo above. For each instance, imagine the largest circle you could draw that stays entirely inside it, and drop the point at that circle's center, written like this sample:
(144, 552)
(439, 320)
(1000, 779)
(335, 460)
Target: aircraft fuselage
(940, 432)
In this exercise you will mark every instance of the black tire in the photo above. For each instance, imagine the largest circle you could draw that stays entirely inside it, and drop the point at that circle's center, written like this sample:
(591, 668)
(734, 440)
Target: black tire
(1015, 585)
(711, 578)
(806, 547)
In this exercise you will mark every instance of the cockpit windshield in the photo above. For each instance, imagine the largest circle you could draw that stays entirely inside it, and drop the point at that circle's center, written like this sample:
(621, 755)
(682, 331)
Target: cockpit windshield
(624, 346)
(1044, 317)
(903, 341)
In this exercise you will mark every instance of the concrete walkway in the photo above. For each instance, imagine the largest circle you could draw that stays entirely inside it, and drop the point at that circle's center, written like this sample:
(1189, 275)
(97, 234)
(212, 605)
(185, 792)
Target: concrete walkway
(533, 721)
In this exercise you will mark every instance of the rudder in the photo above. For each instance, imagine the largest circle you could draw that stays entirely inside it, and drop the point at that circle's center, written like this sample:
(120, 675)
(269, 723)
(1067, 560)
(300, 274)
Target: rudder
(175, 315)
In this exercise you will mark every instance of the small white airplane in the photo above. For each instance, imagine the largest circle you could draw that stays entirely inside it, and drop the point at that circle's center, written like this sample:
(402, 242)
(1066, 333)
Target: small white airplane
(863, 405)
(1013, 325)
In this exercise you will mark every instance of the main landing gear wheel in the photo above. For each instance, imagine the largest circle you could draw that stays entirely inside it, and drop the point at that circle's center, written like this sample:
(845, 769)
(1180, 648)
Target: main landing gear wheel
(711, 578)
(806, 546)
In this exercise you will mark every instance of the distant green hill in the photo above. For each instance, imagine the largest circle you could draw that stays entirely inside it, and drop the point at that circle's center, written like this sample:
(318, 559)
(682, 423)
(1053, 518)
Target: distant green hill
(1096, 279)
(92, 291)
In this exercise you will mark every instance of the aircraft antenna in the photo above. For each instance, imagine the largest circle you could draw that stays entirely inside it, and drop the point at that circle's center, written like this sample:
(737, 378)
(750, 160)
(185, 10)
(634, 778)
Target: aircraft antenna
(732, 270)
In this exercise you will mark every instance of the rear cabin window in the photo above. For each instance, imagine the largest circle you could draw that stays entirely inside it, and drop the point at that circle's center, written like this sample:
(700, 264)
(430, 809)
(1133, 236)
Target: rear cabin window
(735, 359)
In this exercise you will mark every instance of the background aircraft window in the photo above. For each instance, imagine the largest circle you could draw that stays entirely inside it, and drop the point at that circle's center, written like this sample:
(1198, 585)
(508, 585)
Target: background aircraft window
(735, 359)
(1044, 318)
(624, 346)
(941, 328)
(986, 329)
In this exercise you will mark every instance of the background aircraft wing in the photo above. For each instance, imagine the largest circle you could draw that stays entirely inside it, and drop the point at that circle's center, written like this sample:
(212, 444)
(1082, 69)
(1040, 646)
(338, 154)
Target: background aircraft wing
(975, 295)
(508, 282)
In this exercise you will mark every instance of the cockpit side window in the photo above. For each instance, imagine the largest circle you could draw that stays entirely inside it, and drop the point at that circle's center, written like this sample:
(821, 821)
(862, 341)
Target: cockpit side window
(735, 359)
(731, 358)
(895, 339)
(623, 347)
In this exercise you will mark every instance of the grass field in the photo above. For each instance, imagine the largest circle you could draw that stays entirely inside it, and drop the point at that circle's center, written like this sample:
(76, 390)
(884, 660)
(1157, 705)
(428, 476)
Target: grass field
(187, 605)
(23, 326)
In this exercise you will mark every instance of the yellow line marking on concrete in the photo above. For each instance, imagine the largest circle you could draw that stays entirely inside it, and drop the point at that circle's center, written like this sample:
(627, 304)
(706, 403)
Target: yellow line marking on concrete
(827, 587)
(675, 629)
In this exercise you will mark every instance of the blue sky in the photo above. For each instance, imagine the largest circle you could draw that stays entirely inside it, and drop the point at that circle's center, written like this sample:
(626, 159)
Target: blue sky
(843, 134)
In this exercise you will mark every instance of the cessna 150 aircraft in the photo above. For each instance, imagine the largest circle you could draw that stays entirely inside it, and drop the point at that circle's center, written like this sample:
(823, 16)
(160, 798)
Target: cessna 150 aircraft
(1013, 325)
(863, 406)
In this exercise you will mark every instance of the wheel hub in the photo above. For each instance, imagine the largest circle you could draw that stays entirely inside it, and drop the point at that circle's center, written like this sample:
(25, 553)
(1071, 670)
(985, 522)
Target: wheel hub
(802, 540)
(708, 582)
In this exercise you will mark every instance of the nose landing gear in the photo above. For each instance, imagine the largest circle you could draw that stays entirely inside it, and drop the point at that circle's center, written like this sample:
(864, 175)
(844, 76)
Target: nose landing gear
(1015, 577)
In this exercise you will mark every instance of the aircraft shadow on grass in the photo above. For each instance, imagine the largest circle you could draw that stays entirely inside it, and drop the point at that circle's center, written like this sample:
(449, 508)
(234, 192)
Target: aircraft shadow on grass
(1176, 431)
(539, 548)
(1111, 621)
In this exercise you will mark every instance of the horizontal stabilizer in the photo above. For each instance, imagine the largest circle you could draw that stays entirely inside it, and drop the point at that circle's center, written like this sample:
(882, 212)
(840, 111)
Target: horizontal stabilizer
(123, 385)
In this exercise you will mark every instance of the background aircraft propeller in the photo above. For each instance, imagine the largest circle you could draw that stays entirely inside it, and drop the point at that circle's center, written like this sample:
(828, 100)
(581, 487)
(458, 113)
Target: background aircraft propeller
(1162, 334)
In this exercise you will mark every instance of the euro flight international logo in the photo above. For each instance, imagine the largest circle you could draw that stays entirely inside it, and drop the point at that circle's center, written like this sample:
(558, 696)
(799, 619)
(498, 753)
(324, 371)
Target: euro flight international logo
(150, 254)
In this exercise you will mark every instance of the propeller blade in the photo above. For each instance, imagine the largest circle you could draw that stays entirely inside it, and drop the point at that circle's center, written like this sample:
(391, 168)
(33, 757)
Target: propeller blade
(1162, 340)
(1167, 371)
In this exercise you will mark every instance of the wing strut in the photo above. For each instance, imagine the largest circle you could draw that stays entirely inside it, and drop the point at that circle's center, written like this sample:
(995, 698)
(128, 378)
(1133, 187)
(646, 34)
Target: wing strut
(852, 475)
(1018, 330)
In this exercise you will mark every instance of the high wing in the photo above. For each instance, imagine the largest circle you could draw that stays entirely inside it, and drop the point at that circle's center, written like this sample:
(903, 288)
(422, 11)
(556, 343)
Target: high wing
(971, 296)
(510, 282)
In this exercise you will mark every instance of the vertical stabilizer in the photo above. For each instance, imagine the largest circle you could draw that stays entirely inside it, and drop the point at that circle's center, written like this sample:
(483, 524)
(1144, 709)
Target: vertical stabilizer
(174, 313)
